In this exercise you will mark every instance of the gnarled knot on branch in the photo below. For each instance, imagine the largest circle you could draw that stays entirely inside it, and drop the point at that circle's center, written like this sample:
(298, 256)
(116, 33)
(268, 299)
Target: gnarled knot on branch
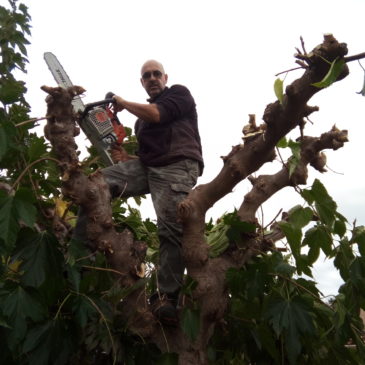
(234, 150)
(61, 97)
(329, 50)
(62, 92)
(185, 209)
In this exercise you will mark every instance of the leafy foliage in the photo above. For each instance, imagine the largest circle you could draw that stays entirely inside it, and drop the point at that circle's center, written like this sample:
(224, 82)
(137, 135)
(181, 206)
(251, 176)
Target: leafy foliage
(59, 302)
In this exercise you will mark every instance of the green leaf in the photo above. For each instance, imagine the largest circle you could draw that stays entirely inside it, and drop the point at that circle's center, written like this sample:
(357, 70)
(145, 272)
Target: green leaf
(190, 323)
(168, 358)
(83, 310)
(292, 318)
(299, 217)
(293, 235)
(324, 204)
(19, 305)
(9, 226)
(50, 343)
(310, 285)
(307, 196)
(24, 206)
(76, 250)
(278, 89)
(237, 227)
(74, 276)
(357, 273)
(295, 148)
(358, 236)
(295, 158)
(268, 341)
(40, 257)
(332, 74)
(303, 265)
(37, 148)
(339, 228)
(36, 336)
(4, 322)
(217, 239)
(283, 268)
(189, 286)
(13, 210)
(343, 259)
(318, 236)
(3, 142)
(283, 143)
(11, 90)
(313, 253)
(235, 280)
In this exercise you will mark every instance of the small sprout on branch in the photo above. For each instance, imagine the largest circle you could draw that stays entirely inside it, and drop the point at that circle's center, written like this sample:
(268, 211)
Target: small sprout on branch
(278, 89)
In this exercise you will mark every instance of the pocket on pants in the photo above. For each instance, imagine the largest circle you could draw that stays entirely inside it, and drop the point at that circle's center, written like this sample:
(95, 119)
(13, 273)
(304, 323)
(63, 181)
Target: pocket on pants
(180, 188)
(168, 205)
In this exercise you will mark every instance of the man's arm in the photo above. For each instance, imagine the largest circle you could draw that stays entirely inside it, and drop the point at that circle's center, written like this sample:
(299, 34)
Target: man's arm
(147, 112)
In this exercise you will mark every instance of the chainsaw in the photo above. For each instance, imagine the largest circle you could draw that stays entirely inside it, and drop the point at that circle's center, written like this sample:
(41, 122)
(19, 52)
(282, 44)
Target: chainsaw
(97, 120)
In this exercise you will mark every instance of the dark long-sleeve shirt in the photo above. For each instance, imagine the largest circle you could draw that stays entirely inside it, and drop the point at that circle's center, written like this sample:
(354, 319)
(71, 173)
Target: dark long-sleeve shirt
(176, 136)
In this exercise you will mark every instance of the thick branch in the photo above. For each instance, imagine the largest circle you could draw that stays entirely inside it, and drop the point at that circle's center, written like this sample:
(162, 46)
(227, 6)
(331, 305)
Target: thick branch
(266, 186)
(91, 193)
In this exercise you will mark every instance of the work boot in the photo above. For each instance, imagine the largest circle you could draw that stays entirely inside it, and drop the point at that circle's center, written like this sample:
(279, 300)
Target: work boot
(164, 309)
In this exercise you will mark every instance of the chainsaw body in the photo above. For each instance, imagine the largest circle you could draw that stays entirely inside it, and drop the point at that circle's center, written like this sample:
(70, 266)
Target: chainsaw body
(97, 120)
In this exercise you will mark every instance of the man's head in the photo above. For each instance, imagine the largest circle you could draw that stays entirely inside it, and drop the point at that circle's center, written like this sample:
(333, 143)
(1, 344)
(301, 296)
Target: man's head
(153, 77)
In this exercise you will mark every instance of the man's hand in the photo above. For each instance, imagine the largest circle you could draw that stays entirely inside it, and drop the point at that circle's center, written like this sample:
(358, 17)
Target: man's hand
(118, 106)
(119, 154)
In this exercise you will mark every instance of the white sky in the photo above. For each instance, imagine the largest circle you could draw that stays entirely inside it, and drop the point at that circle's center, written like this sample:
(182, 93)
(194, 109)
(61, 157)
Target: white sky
(227, 53)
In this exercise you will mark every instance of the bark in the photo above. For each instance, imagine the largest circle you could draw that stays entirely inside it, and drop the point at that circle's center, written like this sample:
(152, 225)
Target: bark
(125, 255)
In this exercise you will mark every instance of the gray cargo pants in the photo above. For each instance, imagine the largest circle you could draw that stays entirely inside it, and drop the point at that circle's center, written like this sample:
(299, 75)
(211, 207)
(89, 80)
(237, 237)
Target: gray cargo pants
(168, 185)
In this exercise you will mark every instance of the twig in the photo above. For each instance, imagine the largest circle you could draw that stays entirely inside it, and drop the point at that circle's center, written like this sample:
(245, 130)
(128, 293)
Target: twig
(274, 219)
(303, 46)
(318, 299)
(17, 181)
(103, 269)
(292, 69)
(262, 220)
(335, 172)
(165, 338)
(30, 121)
(361, 65)
(105, 322)
(61, 305)
(302, 64)
(354, 57)
(86, 257)
(34, 189)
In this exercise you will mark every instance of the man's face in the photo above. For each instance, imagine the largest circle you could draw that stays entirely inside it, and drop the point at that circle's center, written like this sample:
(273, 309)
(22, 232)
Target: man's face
(153, 78)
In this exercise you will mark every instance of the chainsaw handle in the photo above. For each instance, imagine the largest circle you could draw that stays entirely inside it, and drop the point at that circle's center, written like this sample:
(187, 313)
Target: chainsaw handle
(88, 107)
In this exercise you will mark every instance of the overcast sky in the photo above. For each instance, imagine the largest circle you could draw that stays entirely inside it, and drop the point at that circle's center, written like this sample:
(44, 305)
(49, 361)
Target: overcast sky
(227, 53)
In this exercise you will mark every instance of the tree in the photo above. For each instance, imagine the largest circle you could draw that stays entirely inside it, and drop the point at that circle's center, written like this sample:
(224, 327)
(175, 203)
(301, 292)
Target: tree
(245, 301)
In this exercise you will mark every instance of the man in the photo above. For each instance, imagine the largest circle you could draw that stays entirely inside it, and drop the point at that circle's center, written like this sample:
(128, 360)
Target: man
(170, 161)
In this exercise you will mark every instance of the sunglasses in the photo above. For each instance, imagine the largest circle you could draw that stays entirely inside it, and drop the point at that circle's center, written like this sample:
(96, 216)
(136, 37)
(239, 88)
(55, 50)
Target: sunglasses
(156, 74)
